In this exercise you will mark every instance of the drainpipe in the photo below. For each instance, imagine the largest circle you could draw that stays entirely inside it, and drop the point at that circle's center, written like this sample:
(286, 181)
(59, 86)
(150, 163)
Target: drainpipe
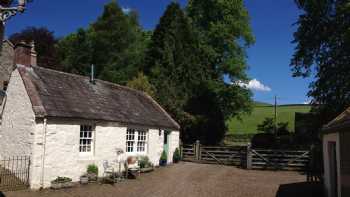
(43, 155)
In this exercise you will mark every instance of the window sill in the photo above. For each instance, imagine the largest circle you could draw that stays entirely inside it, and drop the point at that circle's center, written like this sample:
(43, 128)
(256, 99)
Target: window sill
(136, 153)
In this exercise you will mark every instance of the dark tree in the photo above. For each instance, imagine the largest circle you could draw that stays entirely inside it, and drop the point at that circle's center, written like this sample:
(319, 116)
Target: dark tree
(115, 44)
(268, 126)
(45, 42)
(173, 64)
(323, 52)
(188, 84)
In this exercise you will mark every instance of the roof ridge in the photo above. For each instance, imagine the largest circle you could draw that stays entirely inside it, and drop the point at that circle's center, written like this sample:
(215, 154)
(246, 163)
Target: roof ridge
(9, 42)
(83, 76)
(338, 118)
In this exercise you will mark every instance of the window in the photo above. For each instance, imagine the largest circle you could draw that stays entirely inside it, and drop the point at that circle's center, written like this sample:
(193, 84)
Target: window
(136, 140)
(130, 140)
(86, 136)
(141, 141)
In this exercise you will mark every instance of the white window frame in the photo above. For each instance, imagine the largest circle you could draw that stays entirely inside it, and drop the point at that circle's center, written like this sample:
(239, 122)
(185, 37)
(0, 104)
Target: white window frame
(130, 140)
(87, 133)
(136, 141)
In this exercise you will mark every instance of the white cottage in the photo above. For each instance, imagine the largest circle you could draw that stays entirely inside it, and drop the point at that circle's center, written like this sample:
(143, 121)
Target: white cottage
(336, 147)
(66, 122)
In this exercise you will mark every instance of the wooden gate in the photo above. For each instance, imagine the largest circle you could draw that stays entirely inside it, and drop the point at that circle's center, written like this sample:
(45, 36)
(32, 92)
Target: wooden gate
(14, 173)
(279, 159)
(246, 157)
(224, 155)
(188, 152)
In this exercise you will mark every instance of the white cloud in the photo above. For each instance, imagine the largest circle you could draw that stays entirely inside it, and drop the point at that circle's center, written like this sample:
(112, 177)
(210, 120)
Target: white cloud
(307, 102)
(126, 10)
(256, 85)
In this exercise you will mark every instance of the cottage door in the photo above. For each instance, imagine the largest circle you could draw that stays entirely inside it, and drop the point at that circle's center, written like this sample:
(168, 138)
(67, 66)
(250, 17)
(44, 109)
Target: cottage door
(333, 172)
(166, 142)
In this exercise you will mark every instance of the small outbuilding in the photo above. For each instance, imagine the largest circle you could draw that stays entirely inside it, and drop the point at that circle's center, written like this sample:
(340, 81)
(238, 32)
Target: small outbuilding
(66, 122)
(336, 156)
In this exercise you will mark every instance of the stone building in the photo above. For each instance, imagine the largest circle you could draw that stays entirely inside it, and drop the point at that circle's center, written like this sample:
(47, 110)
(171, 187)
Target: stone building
(66, 122)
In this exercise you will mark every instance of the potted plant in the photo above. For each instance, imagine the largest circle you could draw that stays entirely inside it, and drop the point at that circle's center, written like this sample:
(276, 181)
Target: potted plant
(61, 182)
(92, 172)
(145, 164)
(84, 179)
(176, 156)
(163, 159)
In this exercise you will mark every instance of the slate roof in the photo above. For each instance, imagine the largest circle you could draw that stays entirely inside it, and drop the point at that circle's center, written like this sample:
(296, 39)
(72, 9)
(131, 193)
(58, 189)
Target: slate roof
(339, 123)
(59, 94)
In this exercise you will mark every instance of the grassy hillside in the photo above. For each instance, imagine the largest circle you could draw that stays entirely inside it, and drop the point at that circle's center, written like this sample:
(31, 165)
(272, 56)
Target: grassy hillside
(285, 113)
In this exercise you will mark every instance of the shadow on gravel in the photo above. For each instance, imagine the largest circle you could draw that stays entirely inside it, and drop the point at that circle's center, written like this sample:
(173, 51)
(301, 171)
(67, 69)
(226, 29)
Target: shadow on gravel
(303, 189)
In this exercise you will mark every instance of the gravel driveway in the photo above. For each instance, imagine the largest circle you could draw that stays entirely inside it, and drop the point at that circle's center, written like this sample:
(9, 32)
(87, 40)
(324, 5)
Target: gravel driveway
(190, 179)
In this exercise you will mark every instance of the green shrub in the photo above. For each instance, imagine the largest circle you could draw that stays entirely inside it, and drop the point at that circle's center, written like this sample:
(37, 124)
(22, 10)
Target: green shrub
(92, 169)
(164, 156)
(144, 162)
(176, 156)
(61, 180)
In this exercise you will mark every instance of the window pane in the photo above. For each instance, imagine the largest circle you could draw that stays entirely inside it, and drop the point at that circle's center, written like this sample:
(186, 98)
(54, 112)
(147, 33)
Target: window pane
(85, 141)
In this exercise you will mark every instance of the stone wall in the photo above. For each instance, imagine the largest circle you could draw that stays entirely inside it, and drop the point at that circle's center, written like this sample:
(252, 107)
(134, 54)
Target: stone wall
(62, 157)
(18, 125)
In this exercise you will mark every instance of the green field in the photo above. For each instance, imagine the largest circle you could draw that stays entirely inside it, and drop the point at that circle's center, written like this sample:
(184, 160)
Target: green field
(248, 124)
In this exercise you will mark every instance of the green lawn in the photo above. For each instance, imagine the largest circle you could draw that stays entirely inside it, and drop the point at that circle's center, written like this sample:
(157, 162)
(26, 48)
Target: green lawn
(285, 113)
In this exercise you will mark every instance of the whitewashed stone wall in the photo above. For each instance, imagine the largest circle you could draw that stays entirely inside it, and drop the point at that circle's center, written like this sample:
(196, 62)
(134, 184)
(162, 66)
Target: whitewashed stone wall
(155, 145)
(17, 128)
(62, 157)
(174, 142)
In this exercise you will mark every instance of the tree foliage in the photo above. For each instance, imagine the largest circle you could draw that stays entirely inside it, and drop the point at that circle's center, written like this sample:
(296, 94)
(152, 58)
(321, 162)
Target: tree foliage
(115, 44)
(225, 33)
(142, 83)
(187, 69)
(323, 52)
(268, 126)
(45, 42)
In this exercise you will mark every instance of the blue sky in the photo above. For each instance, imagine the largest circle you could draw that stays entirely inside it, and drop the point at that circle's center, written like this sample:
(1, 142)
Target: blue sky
(272, 23)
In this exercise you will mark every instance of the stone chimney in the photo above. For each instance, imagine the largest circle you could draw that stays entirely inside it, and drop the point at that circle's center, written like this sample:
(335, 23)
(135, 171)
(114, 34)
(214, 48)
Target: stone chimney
(25, 54)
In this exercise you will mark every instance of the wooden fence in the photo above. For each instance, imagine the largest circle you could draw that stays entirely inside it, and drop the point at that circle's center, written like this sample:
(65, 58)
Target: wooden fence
(246, 157)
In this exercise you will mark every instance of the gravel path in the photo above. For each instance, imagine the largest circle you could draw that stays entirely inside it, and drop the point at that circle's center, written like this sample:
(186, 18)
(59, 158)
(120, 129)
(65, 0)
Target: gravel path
(186, 179)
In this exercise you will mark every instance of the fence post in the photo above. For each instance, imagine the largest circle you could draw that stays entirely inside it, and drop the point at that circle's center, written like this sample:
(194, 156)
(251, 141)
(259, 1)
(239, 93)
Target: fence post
(198, 150)
(249, 157)
(181, 151)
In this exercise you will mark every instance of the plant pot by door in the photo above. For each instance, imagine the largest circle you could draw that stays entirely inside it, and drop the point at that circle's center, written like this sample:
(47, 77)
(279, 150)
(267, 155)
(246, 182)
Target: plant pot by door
(162, 162)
